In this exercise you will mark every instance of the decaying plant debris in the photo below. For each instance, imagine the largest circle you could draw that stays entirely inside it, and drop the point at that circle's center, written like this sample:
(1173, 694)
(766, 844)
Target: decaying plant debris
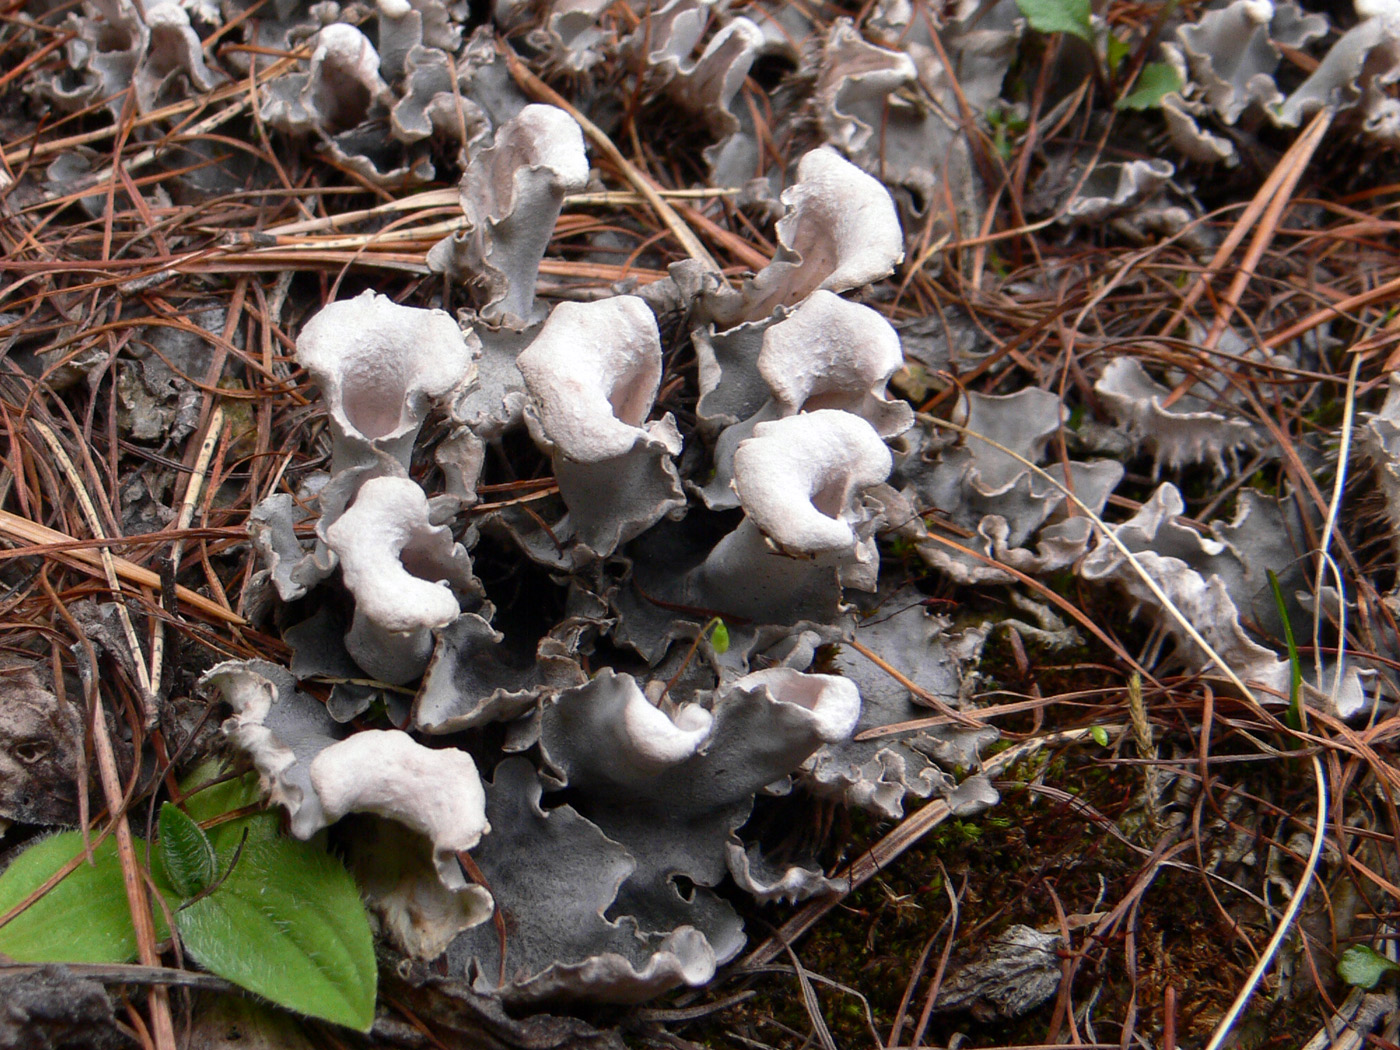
(701, 500)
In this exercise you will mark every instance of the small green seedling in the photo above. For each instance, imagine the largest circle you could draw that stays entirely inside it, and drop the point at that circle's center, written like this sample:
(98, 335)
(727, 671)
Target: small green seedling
(719, 636)
(1294, 717)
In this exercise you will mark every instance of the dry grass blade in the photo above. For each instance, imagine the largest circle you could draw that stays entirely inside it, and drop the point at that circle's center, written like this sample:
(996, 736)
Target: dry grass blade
(1383, 292)
(936, 982)
(810, 1001)
(1325, 563)
(133, 878)
(1291, 166)
(977, 717)
(1286, 169)
(923, 694)
(193, 489)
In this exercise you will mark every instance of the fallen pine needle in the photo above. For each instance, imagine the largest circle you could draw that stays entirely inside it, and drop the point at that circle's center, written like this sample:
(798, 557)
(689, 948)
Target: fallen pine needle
(18, 528)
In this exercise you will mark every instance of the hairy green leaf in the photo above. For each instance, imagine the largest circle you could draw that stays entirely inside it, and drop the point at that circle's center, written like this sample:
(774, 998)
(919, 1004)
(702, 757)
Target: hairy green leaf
(227, 796)
(185, 851)
(288, 924)
(1156, 81)
(83, 919)
(1059, 16)
(1363, 967)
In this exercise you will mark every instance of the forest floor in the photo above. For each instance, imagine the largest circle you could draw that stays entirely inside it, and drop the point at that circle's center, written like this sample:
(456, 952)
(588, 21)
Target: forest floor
(1197, 863)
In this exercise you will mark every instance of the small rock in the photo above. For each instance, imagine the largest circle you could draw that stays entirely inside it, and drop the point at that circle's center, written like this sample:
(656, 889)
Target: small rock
(1009, 977)
(50, 1009)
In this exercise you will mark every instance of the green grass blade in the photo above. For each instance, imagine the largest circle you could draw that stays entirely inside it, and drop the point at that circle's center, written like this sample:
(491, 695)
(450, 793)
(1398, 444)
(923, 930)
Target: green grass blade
(1294, 717)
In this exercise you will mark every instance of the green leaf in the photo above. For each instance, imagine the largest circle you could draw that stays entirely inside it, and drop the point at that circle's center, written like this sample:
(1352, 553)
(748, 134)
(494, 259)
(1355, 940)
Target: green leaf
(719, 637)
(1363, 967)
(185, 851)
(1100, 735)
(225, 797)
(1117, 50)
(1294, 718)
(1059, 16)
(1156, 81)
(83, 919)
(288, 924)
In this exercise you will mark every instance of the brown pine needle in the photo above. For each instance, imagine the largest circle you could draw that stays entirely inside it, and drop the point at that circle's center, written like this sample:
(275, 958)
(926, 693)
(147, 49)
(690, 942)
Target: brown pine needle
(919, 691)
(88, 560)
